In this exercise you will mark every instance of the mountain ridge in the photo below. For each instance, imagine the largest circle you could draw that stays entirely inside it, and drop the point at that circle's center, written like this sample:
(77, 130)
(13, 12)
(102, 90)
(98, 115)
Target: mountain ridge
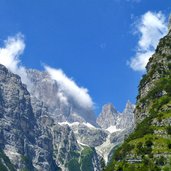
(36, 138)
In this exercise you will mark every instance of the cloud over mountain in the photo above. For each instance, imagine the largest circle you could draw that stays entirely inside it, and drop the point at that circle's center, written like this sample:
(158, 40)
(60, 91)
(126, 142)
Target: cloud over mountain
(70, 88)
(150, 28)
(10, 57)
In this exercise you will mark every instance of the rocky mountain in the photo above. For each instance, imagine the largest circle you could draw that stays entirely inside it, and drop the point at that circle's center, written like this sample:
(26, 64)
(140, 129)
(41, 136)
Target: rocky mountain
(17, 118)
(39, 131)
(118, 126)
(126, 119)
(108, 117)
(80, 120)
(112, 120)
(149, 146)
(30, 139)
(48, 91)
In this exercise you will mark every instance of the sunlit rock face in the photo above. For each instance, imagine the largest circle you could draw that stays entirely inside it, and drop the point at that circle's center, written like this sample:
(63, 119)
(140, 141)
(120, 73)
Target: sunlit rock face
(110, 119)
(31, 138)
(127, 117)
(117, 125)
(60, 106)
(43, 129)
(18, 125)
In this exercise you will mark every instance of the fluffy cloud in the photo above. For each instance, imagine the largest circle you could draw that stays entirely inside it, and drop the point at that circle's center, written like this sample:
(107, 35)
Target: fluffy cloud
(151, 27)
(70, 88)
(9, 56)
(62, 97)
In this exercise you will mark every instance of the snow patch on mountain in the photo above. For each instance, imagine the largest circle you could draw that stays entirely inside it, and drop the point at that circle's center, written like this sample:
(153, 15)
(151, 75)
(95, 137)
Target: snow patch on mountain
(112, 129)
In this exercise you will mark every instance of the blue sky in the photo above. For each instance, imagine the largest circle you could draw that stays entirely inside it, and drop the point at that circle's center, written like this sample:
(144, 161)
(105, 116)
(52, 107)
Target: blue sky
(90, 40)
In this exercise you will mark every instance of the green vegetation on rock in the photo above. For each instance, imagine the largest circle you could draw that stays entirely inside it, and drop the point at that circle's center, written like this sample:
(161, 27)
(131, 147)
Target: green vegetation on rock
(86, 158)
(82, 161)
(5, 163)
(74, 165)
(148, 148)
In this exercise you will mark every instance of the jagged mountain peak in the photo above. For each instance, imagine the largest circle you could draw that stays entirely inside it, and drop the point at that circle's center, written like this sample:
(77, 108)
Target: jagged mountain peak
(109, 117)
(31, 139)
(109, 108)
(36, 115)
(129, 108)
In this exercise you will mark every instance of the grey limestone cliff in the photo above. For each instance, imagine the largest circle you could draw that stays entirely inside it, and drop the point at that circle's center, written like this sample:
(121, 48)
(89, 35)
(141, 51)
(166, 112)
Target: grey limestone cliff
(38, 131)
(19, 130)
(48, 91)
(108, 116)
(30, 138)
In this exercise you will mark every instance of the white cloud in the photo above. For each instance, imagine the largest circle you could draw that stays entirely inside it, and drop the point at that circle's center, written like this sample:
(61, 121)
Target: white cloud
(62, 97)
(70, 88)
(151, 28)
(139, 62)
(9, 56)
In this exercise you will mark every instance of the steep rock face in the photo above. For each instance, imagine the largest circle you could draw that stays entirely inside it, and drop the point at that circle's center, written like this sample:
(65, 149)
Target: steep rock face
(91, 137)
(149, 146)
(110, 119)
(5, 163)
(158, 67)
(107, 117)
(20, 134)
(126, 119)
(17, 121)
(47, 90)
(88, 134)
(47, 94)
(68, 154)
(31, 138)
(41, 132)
(117, 125)
(63, 142)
